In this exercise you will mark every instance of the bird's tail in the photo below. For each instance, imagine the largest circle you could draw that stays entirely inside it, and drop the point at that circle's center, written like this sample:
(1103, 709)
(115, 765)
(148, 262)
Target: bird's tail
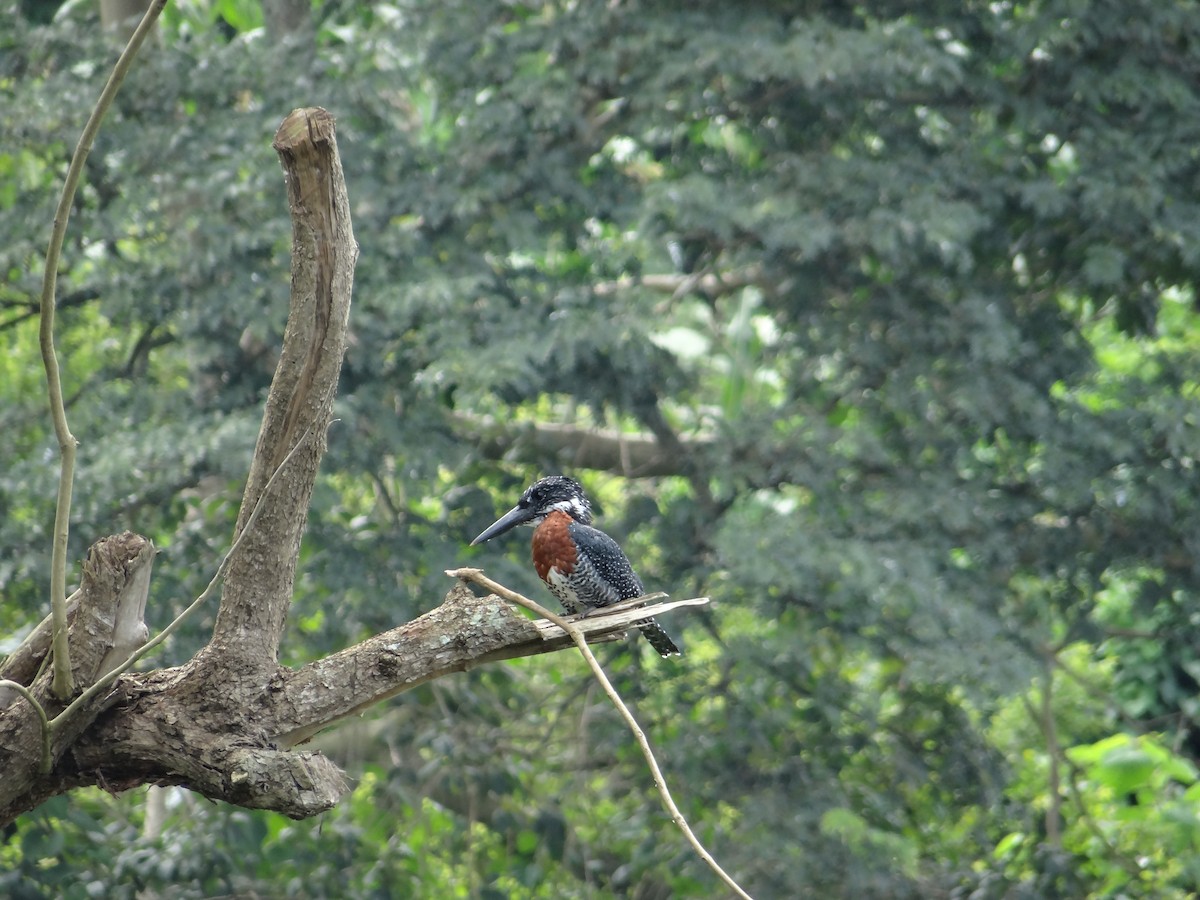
(658, 638)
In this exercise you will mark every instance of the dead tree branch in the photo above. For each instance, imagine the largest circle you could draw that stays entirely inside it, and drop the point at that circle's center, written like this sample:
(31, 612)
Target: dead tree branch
(107, 622)
(484, 630)
(258, 588)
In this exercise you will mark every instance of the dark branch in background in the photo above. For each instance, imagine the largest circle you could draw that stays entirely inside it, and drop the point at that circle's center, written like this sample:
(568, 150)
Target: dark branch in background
(650, 414)
(139, 357)
(32, 310)
(630, 455)
(709, 283)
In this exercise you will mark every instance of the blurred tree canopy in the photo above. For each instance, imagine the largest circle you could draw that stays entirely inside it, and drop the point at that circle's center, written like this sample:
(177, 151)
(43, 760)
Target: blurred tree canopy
(877, 323)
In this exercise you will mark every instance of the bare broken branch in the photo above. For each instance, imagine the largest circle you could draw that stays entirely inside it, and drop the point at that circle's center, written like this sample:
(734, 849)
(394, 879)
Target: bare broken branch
(114, 575)
(258, 588)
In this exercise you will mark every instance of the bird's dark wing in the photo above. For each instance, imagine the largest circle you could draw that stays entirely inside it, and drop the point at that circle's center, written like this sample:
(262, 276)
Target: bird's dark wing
(607, 559)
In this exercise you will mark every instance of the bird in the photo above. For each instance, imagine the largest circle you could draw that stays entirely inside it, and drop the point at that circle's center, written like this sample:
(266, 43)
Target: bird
(582, 566)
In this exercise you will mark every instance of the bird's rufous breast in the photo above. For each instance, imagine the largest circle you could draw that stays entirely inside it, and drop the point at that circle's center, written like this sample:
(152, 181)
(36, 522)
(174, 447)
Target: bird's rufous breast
(552, 545)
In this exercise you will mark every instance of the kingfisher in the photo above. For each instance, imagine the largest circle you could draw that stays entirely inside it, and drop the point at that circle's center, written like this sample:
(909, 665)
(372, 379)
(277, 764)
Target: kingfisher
(583, 567)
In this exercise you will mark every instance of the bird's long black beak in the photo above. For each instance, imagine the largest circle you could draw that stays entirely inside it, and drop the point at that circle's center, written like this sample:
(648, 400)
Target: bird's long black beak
(516, 516)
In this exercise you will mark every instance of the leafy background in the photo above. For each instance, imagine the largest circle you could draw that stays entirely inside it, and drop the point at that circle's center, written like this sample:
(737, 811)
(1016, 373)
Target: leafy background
(904, 294)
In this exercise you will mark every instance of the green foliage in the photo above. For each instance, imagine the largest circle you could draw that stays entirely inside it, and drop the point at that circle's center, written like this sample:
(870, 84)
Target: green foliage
(913, 288)
(1126, 804)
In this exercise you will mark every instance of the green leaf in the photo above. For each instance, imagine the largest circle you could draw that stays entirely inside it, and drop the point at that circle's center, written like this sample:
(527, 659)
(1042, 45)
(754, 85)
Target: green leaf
(1125, 769)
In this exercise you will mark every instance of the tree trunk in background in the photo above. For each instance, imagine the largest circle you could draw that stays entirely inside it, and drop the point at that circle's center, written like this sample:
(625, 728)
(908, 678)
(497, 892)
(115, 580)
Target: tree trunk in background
(122, 16)
(288, 18)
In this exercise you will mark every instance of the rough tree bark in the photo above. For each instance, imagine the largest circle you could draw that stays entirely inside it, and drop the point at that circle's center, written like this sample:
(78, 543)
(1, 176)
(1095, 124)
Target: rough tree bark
(226, 722)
